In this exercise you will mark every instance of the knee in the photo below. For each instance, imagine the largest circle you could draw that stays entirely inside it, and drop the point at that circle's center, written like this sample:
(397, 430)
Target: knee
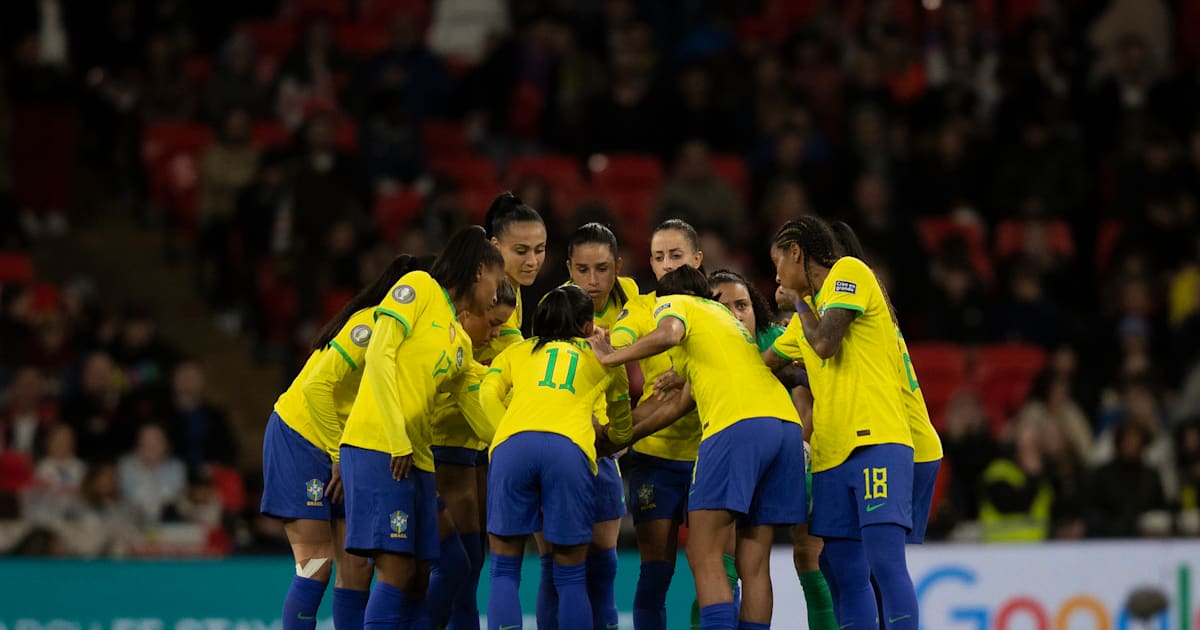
(806, 554)
(314, 561)
(353, 572)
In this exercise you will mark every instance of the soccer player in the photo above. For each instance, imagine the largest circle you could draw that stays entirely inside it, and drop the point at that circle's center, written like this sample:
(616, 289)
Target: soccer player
(543, 465)
(594, 264)
(518, 231)
(862, 449)
(659, 466)
(461, 460)
(417, 350)
(301, 479)
(751, 448)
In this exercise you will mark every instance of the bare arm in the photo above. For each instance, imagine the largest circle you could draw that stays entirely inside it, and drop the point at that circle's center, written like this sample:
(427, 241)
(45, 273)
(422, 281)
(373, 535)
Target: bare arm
(656, 414)
(669, 333)
(825, 334)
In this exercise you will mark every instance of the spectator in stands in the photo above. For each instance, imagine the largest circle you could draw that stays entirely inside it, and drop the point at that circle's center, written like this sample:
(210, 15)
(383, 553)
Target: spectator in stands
(409, 77)
(102, 524)
(309, 74)
(625, 117)
(951, 179)
(51, 348)
(889, 239)
(1139, 407)
(695, 194)
(198, 429)
(464, 30)
(1124, 106)
(27, 414)
(1124, 489)
(144, 357)
(1050, 403)
(695, 113)
(1029, 316)
(94, 412)
(166, 94)
(1045, 163)
(969, 447)
(789, 162)
(1067, 473)
(956, 309)
(151, 480)
(227, 167)
(234, 83)
(1017, 496)
(961, 56)
(60, 471)
(578, 81)
(1187, 462)
(391, 144)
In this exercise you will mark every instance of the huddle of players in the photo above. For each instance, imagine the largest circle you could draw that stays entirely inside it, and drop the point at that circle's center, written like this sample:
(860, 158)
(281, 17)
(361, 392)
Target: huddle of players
(426, 370)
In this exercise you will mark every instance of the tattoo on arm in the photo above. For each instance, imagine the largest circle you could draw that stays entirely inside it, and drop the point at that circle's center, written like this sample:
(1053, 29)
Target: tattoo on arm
(825, 335)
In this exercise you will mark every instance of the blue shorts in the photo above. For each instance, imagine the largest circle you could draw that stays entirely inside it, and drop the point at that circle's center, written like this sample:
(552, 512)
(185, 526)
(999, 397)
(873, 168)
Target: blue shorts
(924, 481)
(459, 456)
(754, 468)
(385, 515)
(873, 487)
(658, 487)
(540, 482)
(609, 501)
(295, 473)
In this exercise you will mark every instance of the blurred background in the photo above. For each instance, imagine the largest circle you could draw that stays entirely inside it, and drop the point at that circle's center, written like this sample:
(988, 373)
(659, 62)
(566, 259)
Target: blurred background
(188, 189)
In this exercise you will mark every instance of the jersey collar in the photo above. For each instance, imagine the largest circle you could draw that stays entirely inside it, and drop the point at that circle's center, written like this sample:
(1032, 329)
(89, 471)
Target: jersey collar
(453, 311)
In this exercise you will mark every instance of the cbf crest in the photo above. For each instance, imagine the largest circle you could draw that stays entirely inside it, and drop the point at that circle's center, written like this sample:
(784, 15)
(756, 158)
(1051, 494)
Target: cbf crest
(399, 524)
(315, 490)
(404, 294)
(360, 335)
(646, 496)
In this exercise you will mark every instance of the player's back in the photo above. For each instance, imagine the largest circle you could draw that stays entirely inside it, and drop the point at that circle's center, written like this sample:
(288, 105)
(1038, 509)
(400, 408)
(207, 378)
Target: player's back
(554, 388)
(927, 446)
(721, 361)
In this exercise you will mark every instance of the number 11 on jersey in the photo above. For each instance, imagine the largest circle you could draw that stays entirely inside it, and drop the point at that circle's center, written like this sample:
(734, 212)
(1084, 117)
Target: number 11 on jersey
(548, 380)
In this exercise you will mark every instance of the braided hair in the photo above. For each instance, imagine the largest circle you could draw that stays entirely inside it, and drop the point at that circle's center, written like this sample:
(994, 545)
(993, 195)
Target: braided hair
(814, 237)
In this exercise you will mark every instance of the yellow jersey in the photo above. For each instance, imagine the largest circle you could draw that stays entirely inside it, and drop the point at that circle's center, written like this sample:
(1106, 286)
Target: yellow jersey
(679, 441)
(729, 380)
(856, 401)
(556, 389)
(607, 318)
(510, 330)
(319, 399)
(417, 350)
(927, 446)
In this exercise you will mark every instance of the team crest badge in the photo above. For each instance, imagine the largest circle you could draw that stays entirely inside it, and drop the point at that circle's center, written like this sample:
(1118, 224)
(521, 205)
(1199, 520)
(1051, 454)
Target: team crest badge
(315, 489)
(404, 294)
(399, 523)
(360, 335)
(646, 496)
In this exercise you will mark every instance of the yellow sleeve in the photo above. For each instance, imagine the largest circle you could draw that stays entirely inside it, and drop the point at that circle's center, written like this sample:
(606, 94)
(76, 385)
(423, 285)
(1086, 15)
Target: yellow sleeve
(620, 414)
(672, 306)
(493, 391)
(384, 378)
(626, 330)
(850, 283)
(408, 298)
(318, 388)
(465, 392)
(787, 345)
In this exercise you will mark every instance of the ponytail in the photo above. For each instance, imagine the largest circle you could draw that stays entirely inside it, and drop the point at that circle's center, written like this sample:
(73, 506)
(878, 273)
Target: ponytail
(468, 250)
(563, 314)
(505, 210)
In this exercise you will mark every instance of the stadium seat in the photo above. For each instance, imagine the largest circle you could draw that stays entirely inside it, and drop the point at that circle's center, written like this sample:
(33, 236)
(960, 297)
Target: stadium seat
(472, 171)
(15, 268)
(559, 170)
(161, 140)
(345, 136)
(1009, 360)
(335, 10)
(271, 135)
(1012, 234)
(475, 201)
(272, 39)
(938, 361)
(171, 152)
(363, 39)
(230, 487)
(383, 11)
(1106, 242)
(394, 212)
(935, 230)
(445, 139)
(624, 171)
(732, 169)
(332, 301)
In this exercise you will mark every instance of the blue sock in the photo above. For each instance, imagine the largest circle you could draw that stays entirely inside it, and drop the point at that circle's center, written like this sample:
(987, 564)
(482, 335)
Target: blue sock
(387, 608)
(601, 581)
(547, 597)
(504, 601)
(450, 575)
(750, 625)
(348, 608)
(303, 600)
(650, 600)
(721, 616)
(574, 607)
(418, 616)
(852, 575)
(884, 546)
(465, 612)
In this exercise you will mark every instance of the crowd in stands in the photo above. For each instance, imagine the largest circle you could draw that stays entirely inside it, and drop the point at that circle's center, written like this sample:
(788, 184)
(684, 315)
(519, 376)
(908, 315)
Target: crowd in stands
(1025, 176)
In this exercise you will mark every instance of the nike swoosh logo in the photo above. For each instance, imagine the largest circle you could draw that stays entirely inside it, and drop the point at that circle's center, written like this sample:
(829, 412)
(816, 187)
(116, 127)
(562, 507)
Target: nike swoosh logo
(437, 325)
(510, 627)
(900, 618)
(872, 508)
(301, 617)
(845, 625)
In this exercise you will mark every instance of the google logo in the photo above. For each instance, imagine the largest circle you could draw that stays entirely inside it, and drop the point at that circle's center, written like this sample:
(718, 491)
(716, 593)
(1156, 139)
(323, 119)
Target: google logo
(1021, 612)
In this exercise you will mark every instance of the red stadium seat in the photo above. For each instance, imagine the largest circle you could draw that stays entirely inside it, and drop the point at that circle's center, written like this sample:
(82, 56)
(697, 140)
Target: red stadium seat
(394, 212)
(935, 230)
(475, 201)
(171, 152)
(363, 39)
(623, 171)
(445, 139)
(335, 10)
(1009, 360)
(1012, 234)
(345, 135)
(272, 39)
(15, 268)
(271, 135)
(938, 361)
(732, 168)
(332, 301)
(558, 170)
(382, 11)
(472, 171)
(230, 487)
(1106, 242)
